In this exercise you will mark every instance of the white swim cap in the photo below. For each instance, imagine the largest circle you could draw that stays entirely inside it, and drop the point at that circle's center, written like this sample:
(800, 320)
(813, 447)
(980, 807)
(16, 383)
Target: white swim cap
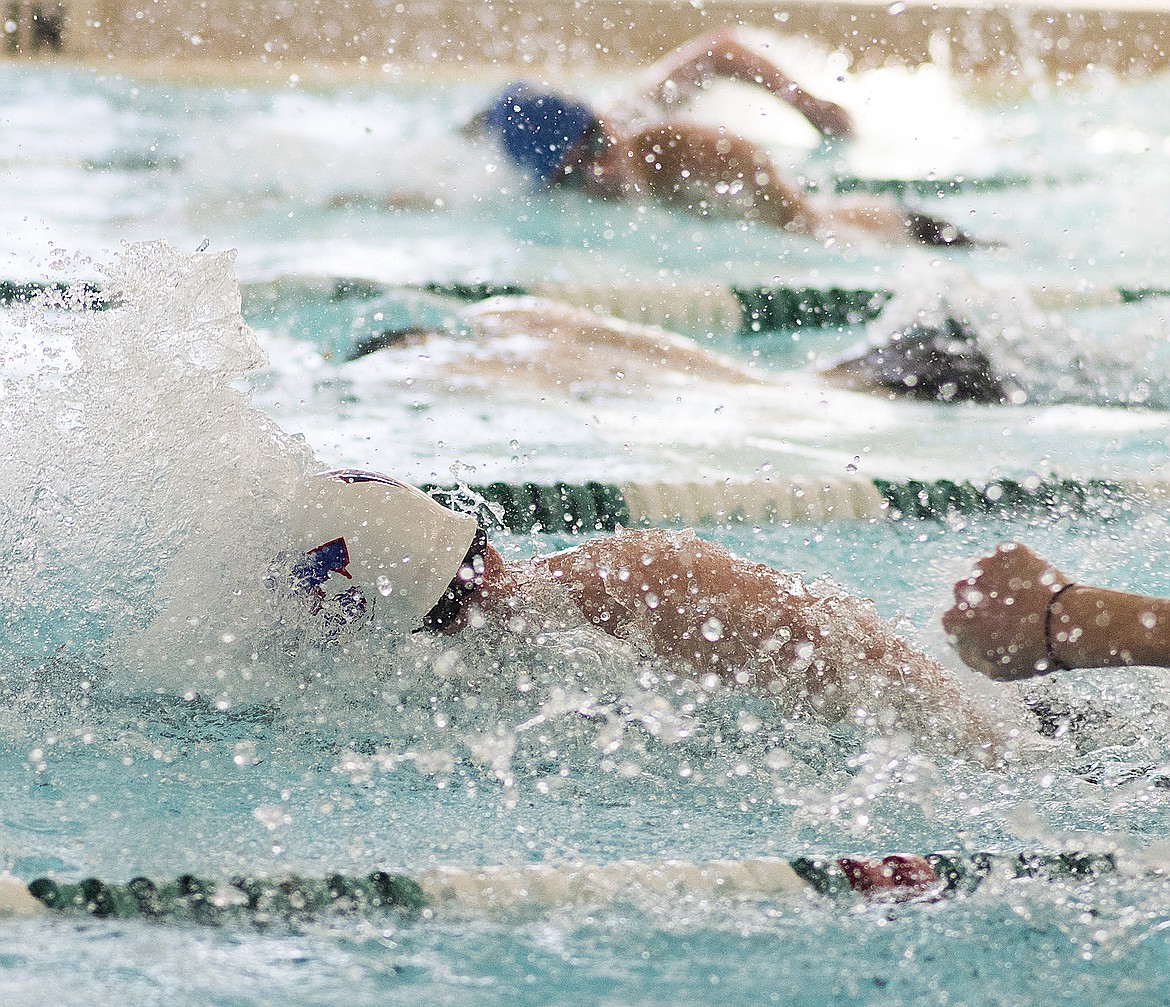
(374, 543)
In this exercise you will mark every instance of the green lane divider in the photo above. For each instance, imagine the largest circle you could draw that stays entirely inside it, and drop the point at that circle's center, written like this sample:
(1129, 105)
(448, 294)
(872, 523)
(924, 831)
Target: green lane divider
(935, 187)
(1086, 297)
(782, 309)
(476, 291)
(1132, 295)
(914, 499)
(584, 508)
(264, 902)
(726, 309)
(962, 874)
(685, 306)
(197, 900)
(732, 309)
(556, 507)
(81, 295)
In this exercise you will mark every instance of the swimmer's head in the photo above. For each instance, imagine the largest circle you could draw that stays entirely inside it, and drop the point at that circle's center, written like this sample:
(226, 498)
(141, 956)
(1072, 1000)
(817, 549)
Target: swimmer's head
(538, 128)
(368, 546)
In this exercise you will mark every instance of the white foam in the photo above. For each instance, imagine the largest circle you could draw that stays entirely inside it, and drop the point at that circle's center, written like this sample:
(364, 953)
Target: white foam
(131, 452)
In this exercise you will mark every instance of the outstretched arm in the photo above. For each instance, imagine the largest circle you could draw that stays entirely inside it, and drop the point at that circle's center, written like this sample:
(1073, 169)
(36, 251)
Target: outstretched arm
(1017, 616)
(722, 54)
(710, 171)
(743, 621)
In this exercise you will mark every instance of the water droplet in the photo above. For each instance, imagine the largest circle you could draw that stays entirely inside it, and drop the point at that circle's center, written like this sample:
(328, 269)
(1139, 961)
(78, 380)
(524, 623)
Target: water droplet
(748, 723)
(712, 630)
(385, 588)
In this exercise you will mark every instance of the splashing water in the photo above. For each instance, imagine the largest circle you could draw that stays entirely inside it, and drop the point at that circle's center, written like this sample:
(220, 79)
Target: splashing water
(127, 444)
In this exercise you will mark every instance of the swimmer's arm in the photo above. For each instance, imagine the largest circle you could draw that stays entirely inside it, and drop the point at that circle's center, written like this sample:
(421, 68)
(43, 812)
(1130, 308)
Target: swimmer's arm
(17, 900)
(692, 599)
(722, 54)
(1094, 627)
(1017, 616)
(578, 330)
(666, 350)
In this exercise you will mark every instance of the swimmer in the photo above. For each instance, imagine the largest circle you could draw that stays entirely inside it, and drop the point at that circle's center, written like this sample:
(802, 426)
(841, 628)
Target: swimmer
(564, 346)
(568, 346)
(365, 549)
(705, 170)
(1016, 616)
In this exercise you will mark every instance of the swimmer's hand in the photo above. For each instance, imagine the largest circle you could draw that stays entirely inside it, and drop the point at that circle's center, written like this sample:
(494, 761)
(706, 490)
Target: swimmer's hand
(895, 878)
(830, 119)
(997, 621)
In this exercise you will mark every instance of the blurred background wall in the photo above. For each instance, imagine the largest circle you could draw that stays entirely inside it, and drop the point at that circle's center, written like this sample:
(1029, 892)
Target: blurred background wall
(470, 38)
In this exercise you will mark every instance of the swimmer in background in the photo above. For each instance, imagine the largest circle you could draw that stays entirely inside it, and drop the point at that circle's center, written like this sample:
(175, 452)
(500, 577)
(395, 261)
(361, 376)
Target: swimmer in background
(1016, 616)
(562, 347)
(940, 352)
(367, 550)
(568, 346)
(705, 170)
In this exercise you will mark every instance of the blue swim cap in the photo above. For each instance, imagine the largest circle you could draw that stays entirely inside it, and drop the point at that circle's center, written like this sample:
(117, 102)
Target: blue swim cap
(538, 128)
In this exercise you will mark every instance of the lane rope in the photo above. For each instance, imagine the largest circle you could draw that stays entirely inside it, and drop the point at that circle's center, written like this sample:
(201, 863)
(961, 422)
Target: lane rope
(685, 306)
(583, 508)
(723, 309)
(76, 296)
(264, 901)
(928, 188)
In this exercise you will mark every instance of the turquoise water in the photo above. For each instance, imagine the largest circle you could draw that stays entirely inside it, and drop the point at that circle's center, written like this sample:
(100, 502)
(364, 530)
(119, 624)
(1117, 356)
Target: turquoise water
(137, 467)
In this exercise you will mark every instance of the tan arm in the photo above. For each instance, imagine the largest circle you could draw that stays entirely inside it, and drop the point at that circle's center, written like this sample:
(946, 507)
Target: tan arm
(722, 54)
(694, 600)
(1093, 627)
(1017, 616)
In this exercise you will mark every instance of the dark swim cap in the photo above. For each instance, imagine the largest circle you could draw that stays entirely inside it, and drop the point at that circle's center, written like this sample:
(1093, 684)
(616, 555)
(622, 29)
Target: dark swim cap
(538, 128)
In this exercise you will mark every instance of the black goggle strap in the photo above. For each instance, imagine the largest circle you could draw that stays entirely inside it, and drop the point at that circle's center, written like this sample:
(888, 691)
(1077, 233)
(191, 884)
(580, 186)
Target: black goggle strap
(452, 601)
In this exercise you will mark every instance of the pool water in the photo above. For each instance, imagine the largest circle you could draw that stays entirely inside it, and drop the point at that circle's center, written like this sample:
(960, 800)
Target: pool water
(147, 447)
